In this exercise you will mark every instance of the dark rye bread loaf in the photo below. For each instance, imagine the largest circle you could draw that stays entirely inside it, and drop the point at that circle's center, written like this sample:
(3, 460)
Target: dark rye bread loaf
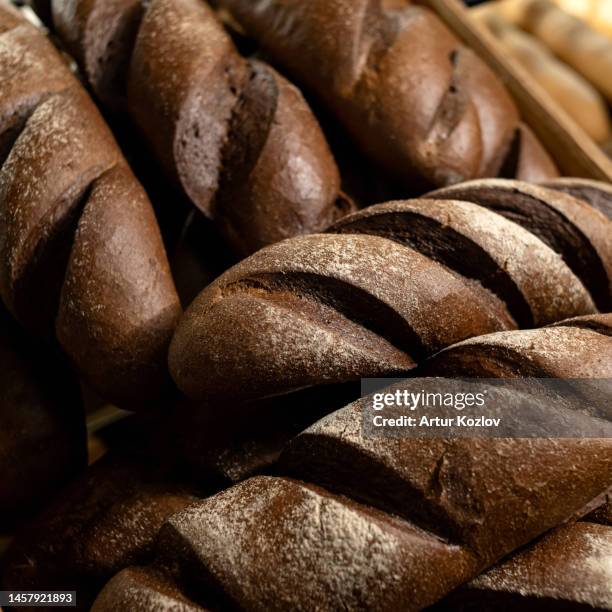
(42, 424)
(577, 348)
(236, 136)
(324, 309)
(81, 251)
(579, 233)
(381, 524)
(596, 193)
(384, 289)
(101, 523)
(407, 91)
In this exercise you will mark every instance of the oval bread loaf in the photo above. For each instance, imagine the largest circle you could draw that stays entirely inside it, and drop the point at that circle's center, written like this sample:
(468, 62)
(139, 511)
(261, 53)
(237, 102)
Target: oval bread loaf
(81, 252)
(378, 523)
(391, 285)
(410, 95)
(238, 138)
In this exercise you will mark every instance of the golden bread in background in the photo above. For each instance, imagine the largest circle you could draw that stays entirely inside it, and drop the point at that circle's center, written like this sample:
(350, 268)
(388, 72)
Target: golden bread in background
(597, 13)
(566, 46)
(572, 91)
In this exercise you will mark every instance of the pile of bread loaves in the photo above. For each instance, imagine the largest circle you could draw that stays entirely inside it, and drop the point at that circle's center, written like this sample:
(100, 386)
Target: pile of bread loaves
(568, 54)
(175, 163)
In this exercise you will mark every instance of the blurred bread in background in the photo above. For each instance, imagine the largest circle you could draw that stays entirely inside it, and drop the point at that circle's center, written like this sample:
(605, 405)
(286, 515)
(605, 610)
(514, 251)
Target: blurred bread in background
(597, 13)
(573, 93)
(566, 46)
(572, 40)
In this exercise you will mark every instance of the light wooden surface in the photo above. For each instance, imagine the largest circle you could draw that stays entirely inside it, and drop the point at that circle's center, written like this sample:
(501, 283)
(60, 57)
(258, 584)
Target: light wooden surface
(575, 153)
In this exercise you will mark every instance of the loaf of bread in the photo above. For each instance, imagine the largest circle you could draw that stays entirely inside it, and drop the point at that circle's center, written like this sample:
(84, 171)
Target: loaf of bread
(549, 352)
(42, 425)
(408, 93)
(104, 521)
(81, 252)
(568, 569)
(389, 286)
(573, 40)
(571, 91)
(373, 522)
(239, 139)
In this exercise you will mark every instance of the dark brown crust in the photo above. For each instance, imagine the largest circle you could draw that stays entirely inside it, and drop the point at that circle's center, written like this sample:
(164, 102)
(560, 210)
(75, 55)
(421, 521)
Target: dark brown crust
(101, 36)
(324, 309)
(511, 262)
(103, 522)
(141, 590)
(237, 138)
(542, 353)
(580, 234)
(441, 119)
(597, 193)
(79, 237)
(567, 570)
(335, 553)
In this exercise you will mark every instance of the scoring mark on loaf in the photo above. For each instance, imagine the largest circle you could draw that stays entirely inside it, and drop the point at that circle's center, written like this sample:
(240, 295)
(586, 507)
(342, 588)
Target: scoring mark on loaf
(44, 184)
(546, 352)
(528, 276)
(597, 193)
(317, 281)
(337, 304)
(241, 143)
(439, 120)
(580, 234)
